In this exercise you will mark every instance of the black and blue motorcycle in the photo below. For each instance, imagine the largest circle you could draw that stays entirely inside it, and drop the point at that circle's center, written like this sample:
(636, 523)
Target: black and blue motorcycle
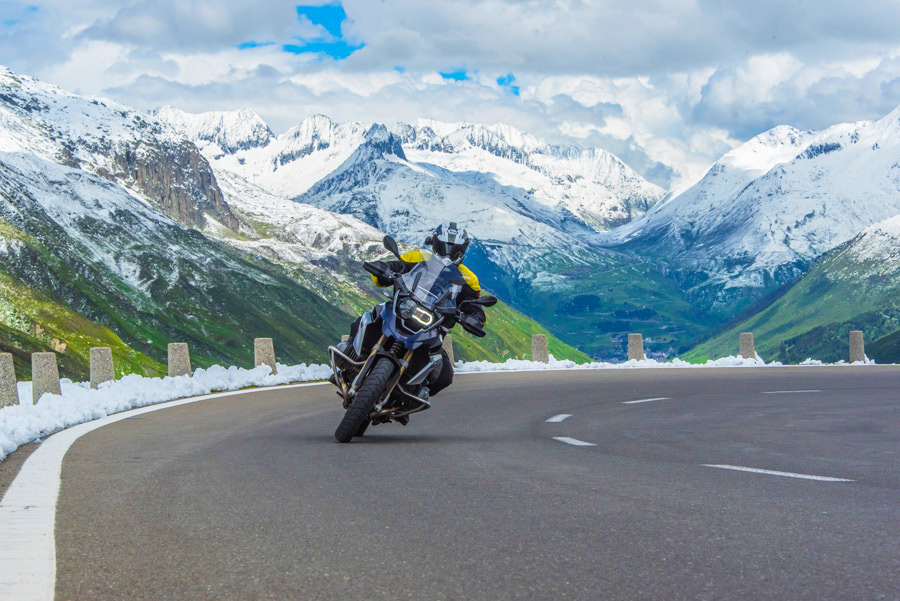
(379, 387)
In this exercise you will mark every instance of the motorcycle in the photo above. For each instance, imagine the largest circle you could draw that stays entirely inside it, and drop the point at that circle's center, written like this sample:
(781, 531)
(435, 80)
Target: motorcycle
(378, 388)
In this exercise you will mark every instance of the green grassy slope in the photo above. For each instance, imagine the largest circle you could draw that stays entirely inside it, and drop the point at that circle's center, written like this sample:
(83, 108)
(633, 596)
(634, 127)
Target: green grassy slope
(31, 322)
(886, 349)
(841, 292)
(593, 302)
(509, 337)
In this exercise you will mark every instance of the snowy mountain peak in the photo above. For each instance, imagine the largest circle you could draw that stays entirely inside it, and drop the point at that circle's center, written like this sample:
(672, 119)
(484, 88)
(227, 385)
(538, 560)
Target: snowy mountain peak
(113, 141)
(230, 131)
(765, 210)
(382, 141)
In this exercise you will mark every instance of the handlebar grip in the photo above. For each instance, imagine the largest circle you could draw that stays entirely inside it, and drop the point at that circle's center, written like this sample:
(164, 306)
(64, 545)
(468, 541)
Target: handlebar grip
(373, 268)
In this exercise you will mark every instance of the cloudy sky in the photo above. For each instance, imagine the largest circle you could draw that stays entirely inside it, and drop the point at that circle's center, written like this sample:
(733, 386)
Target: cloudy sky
(668, 85)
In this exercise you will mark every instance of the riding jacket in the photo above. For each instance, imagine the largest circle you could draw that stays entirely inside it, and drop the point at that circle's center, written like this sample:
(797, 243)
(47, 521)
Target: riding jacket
(470, 290)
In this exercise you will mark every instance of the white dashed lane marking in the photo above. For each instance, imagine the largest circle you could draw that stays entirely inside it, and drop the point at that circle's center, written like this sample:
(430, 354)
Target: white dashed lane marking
(558, 418)
(754, 470)
(574, 441)
(789, 391)
(662, 398)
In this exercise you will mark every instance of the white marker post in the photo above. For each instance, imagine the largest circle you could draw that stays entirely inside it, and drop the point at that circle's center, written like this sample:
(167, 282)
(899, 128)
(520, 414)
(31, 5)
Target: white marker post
(102, 368)
(179, 359)
(44, 375)
(636, 347)
(9, 395)
(264, 353)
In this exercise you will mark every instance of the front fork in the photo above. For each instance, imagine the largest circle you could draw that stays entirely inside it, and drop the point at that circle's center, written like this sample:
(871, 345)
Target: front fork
(348, 391)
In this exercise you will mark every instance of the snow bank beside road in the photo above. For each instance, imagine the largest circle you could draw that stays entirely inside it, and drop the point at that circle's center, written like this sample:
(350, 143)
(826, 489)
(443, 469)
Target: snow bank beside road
(21, 424)
(522, 365)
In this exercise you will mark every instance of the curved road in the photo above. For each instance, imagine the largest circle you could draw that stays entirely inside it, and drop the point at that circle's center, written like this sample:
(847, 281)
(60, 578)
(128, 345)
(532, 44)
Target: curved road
(249, 497)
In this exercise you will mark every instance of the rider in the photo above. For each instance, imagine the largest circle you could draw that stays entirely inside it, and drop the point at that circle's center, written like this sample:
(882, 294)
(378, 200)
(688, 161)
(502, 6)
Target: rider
(449, 241)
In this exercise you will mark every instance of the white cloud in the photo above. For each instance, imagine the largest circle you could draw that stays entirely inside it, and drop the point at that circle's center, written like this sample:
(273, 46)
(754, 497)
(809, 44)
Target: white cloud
(669, 85)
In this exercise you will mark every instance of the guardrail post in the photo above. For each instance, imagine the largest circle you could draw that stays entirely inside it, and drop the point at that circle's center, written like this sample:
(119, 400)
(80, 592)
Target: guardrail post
(636, 347)
(264, 353)
(539, 350)
(102, 369)
(179, 359)
(44, 375)
(448, 348)
(857, 348)
(748, 350)
(9, 395)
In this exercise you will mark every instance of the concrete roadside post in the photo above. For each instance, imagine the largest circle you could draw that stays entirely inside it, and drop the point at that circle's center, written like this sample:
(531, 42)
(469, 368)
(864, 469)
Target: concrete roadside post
(264, 353)
(9, 395)
(179, 359)
(539, 350)
(102, 369)
(748, 350)
(636, 347)
(857, 348)
(448, 348)
(44, 375)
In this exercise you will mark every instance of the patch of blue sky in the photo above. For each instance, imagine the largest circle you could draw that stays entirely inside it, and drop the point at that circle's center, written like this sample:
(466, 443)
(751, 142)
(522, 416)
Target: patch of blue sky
(329, 16)
(506, 82)
(253, 44)
(11, 15)
(457, 75)
(337, 50)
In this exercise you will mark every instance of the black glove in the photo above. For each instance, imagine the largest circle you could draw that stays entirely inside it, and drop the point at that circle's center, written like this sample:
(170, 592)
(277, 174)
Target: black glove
(380, 270)
(473, 324)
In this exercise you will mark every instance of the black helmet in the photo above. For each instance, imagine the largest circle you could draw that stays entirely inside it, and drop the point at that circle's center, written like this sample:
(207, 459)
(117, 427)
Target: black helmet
(449, 241)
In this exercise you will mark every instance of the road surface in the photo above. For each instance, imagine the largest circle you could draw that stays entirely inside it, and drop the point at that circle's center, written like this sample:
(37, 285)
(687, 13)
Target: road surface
(250, 497)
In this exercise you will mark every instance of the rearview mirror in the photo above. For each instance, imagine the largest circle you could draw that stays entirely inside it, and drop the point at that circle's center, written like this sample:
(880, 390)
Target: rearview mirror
(391, 245)
(487, 300)
(484, 301)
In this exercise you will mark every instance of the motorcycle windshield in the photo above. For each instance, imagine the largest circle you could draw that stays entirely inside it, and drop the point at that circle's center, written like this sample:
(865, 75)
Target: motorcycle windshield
(431, 279)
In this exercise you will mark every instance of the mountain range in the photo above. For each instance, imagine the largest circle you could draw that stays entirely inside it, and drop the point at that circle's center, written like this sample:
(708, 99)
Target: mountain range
(570, 238)
(116, 231)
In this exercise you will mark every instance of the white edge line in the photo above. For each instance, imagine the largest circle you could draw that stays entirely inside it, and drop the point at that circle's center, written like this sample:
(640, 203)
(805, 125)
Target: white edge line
(574, 441)
(754, 470)
(662, 398)
(558, 418)
(788, 391)
(28, 509)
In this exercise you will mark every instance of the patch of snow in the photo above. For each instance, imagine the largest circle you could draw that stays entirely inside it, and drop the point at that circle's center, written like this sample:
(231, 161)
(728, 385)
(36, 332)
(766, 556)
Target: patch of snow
(78, 403)
(555, 364)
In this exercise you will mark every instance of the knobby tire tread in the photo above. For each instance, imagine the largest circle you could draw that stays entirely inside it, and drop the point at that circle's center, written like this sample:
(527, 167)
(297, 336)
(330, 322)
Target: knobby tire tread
(364, 402)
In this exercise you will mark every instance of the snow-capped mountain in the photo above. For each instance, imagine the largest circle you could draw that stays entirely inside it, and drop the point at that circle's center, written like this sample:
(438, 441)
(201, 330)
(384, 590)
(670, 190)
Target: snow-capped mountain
(287, 165)
(115, 231)
(765, 210)
(229, 131)
(592, 184)
(855, 286)
(84, 260)
(479, 171)
(113, 141)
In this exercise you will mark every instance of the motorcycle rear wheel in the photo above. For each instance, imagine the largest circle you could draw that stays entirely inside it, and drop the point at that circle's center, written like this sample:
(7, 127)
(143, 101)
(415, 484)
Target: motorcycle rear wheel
(357, 416)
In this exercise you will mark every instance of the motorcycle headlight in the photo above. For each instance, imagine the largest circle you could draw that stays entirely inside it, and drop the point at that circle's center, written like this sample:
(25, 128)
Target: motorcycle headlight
(422, 317)
(406, 308)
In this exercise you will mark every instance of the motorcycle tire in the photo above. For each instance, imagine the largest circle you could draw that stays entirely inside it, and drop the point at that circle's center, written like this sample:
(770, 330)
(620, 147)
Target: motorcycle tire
(362, 428)
(366, 397)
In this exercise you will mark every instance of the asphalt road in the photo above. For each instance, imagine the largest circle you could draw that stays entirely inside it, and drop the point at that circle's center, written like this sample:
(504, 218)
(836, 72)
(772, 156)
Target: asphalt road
(250, 497)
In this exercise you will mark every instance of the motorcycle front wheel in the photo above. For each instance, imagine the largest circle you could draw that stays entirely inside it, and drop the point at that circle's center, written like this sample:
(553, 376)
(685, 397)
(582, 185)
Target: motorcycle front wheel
(356, 418)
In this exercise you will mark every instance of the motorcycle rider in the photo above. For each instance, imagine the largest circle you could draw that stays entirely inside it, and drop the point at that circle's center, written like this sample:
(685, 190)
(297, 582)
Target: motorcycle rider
(447, 240)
